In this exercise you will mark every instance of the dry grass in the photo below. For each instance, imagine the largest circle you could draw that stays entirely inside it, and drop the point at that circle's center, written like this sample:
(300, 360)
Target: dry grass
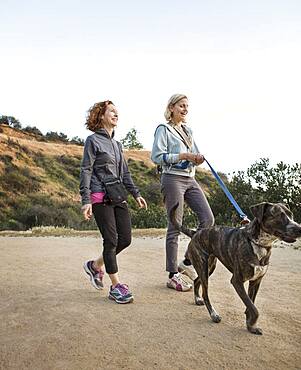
(65, 232)
(45, 231)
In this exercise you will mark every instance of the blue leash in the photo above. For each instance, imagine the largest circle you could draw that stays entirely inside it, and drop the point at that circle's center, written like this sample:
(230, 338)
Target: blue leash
(228, 194)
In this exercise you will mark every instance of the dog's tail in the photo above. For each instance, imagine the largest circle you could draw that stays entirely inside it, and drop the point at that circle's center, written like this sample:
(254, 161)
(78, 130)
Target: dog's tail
(183, 229)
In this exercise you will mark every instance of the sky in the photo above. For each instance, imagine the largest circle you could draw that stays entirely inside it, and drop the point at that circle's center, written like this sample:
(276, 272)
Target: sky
(239, 63)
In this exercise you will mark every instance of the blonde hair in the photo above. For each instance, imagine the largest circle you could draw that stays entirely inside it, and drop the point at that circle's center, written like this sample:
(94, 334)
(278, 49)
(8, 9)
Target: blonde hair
(172, 101)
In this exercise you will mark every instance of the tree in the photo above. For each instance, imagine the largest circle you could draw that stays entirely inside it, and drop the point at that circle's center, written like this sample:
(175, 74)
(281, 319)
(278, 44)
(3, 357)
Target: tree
(77, 140)
(32, 130)
(260, 183)
(130, 141)
(241, 189)
(281, 183)
(10, 121)
(54, 136)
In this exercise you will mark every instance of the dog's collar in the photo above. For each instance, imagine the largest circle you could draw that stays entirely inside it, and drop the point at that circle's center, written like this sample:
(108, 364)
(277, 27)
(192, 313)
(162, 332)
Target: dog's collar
(259, 250)
(264, 240)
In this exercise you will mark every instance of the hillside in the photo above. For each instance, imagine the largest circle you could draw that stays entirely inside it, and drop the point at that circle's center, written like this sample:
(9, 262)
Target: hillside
(39, 182)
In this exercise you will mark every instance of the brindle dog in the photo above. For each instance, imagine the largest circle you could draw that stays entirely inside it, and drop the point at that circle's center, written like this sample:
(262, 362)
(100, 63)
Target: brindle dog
(244, 251)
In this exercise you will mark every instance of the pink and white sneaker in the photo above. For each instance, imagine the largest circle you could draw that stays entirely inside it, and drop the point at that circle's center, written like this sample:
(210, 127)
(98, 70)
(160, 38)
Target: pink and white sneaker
(178, 283)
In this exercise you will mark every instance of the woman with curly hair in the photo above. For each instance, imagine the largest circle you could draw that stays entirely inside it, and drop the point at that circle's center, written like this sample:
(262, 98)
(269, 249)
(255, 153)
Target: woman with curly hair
(103, 160)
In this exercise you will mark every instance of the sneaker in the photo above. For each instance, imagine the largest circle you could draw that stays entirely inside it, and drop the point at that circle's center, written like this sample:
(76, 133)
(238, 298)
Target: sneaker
(187, 270)
(178, 283)
(96, 277)
(121, 294)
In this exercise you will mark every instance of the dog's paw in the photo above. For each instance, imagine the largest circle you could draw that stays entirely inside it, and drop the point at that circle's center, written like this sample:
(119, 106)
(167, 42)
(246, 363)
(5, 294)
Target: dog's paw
(255, 330)
(199, 301)
(215, 317)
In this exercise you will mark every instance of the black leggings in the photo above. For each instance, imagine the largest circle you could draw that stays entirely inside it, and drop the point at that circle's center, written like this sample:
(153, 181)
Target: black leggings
(114, 224)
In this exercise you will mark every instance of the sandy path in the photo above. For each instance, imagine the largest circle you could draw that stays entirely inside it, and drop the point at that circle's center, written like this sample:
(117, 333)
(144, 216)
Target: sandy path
(52, 318)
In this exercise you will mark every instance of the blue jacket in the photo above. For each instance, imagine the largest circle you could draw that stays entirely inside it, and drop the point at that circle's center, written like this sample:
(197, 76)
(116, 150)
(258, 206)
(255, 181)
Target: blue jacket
(167, 146)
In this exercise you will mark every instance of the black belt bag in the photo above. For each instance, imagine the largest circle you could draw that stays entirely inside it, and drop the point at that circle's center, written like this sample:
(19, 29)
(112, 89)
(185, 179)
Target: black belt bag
(115, 192)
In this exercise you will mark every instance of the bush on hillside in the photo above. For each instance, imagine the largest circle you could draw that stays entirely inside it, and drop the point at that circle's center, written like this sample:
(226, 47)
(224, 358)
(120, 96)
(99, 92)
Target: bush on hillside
(42, 210)
(77, 140)
(54, 136)
(32, 130)
(10, 121)
(61, 169)
(19, 180)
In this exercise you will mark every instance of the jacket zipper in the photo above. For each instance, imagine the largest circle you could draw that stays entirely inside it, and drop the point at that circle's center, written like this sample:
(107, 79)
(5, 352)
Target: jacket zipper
(117, 168)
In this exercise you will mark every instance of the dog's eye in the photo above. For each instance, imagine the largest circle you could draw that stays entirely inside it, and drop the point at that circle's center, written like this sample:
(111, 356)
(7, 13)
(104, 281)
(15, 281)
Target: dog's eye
(276, 211)
(284, 218)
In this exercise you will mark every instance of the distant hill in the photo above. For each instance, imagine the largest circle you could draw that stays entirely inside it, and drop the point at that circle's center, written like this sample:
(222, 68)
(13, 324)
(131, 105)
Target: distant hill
(39, 183)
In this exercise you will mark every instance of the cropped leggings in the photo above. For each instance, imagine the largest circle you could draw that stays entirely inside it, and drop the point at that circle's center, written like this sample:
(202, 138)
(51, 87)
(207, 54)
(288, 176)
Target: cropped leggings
(176, 188)
(114, 224)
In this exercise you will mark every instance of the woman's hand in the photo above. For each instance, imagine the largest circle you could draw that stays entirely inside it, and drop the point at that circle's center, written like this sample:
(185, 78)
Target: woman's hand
(87, 211)
(195, 158)
(199, 159)
(141, 202)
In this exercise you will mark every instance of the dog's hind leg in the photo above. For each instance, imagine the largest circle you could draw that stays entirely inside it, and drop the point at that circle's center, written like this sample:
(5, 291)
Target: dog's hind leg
(204, 273)
(197, 261)
(251, 310)
(196, 286)
(195, 257)
(197, 282)
(211, 264)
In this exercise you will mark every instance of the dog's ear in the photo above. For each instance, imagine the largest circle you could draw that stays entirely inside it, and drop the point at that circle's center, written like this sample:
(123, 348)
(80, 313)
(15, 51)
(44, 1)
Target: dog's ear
(284, 205)
(259, 209)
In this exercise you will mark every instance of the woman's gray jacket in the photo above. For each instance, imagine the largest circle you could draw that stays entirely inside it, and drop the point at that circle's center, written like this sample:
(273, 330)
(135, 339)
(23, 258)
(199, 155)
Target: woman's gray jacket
(101, 159)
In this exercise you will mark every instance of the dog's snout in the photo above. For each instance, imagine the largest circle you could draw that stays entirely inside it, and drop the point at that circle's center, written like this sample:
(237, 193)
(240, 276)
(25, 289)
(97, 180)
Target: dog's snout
(295, 229)
(299, 231)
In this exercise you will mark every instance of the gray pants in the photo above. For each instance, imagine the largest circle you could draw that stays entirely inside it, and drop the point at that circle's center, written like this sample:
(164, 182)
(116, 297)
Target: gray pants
(182, 189)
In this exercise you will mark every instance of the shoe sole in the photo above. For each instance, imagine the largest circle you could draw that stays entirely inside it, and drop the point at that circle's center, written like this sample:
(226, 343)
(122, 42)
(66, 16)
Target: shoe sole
(121, 302)
(88, 272)
(170, 286)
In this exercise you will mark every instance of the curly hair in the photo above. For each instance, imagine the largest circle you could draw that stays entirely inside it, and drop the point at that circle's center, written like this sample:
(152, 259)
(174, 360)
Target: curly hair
(94, 114)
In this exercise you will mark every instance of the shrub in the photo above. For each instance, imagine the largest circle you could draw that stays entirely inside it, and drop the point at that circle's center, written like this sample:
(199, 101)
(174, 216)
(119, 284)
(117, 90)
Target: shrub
(32, 130)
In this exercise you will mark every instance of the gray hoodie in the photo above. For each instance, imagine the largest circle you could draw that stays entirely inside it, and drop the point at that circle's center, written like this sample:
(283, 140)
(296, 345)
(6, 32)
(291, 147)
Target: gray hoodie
(102, 155)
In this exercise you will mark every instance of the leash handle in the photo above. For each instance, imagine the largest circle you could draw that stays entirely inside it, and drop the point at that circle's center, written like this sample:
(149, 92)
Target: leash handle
(242, 215)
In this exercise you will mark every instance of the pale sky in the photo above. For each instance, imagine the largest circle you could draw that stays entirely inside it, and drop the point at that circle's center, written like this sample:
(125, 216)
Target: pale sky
(239, 63)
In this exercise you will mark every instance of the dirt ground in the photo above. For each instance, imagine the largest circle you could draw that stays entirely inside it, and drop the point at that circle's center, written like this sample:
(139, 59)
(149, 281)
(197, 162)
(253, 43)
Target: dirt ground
(52, 318)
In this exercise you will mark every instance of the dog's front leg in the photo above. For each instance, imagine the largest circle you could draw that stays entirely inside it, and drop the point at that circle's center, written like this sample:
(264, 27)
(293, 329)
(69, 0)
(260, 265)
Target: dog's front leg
(253, 288)
(251, 310)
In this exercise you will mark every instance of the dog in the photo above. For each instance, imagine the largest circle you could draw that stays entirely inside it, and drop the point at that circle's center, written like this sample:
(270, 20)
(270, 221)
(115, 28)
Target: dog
(244, 251)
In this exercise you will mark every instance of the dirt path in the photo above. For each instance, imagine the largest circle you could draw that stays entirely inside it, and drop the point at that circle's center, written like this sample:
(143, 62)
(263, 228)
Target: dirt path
(52, 318)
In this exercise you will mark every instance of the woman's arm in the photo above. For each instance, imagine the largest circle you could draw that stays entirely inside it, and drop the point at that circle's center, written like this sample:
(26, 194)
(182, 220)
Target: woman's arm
(126, 176)
(86, 171)
(195, 156)
(160, 154)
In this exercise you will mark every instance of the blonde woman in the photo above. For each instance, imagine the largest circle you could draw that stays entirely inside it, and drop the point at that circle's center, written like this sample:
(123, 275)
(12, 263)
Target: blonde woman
(175, 151)
(103, 160)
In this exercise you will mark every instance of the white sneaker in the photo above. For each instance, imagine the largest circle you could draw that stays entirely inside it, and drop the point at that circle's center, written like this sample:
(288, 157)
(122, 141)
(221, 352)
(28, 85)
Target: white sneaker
(178, 283)
(187, 270)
